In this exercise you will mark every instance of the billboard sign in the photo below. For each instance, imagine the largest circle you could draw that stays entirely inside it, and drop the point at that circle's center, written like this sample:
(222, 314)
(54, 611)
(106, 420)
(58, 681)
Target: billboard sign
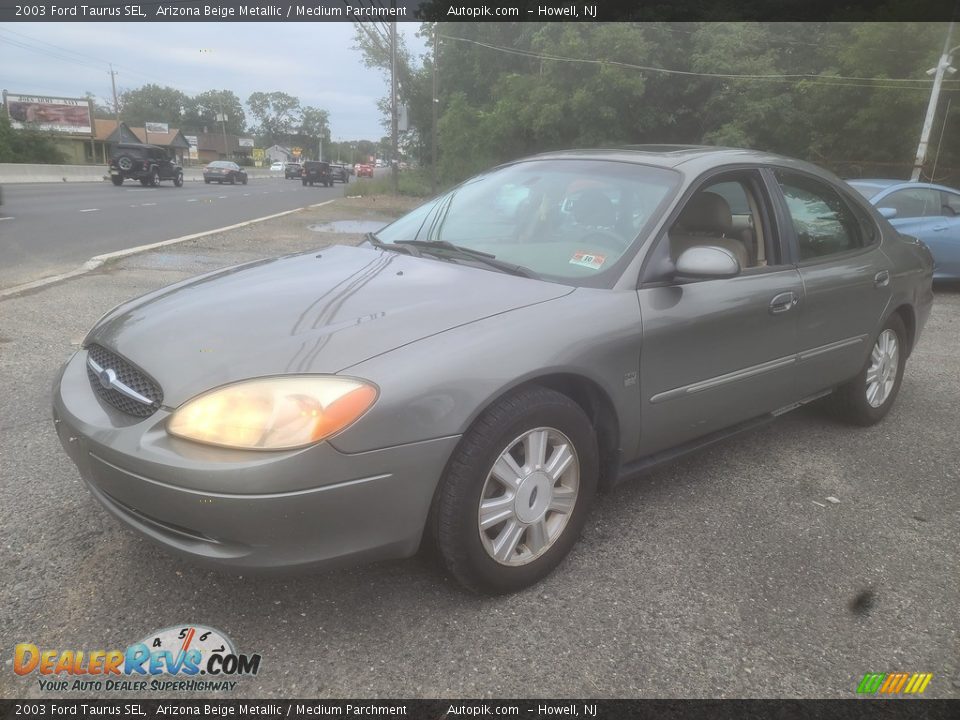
(156, 128)
(53, 114)
(192, 141)
(246, 142)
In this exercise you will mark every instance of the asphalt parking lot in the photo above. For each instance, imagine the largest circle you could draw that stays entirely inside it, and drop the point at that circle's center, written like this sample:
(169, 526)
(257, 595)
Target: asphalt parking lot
(728, 573)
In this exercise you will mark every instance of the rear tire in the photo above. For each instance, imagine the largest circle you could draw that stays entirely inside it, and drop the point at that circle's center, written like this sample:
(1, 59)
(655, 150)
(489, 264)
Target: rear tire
(116, 180)
(154, 178)
(304, 183)
(868, 397)
(545, 445)
(178, 179)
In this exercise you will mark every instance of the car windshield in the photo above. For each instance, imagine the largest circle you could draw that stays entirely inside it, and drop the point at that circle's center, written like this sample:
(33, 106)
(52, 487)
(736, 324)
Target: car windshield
(222, 164)
(570, 221)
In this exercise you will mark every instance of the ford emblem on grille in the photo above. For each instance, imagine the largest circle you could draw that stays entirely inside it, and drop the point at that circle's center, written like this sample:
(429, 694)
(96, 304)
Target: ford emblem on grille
(108, 380)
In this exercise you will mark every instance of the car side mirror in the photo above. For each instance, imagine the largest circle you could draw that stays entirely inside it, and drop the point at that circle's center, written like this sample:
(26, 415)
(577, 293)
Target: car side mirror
(887, 212)
(707, 261)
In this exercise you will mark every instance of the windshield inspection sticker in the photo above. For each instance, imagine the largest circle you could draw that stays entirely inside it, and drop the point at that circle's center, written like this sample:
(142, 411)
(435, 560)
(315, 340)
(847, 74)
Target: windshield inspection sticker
(588, 260)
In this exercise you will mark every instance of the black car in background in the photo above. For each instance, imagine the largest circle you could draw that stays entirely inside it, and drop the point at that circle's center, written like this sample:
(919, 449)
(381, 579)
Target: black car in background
(340, 173)
(224, 171)
(316, 172)
(147, 163)
(291, 171)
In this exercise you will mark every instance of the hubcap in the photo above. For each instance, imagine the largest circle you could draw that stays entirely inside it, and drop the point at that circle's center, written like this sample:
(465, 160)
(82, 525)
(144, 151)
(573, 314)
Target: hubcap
(529, 496)
(882, 372)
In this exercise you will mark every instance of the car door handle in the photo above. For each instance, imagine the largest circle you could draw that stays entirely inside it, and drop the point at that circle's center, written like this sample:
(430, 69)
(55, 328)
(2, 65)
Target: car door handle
(939, 228)
(783, 302)
(881, 279)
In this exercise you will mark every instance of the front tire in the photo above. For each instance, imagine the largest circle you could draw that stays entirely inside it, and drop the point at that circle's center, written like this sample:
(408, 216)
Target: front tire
(867, 398)
(117, 180)
(178, 179)
(517, 492)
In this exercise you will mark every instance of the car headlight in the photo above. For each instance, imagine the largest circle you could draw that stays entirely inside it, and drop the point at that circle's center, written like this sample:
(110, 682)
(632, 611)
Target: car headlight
(277, 413)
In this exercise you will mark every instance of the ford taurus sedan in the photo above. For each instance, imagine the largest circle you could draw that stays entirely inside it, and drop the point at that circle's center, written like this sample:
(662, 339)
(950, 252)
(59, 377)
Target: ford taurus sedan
(926, 211)
(475, 372)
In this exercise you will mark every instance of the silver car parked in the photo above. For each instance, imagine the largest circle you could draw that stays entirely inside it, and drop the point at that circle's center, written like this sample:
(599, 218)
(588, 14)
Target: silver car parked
(477, 370)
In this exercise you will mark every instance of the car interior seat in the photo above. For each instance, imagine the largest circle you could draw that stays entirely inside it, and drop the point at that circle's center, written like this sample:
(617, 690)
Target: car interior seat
(706, 220)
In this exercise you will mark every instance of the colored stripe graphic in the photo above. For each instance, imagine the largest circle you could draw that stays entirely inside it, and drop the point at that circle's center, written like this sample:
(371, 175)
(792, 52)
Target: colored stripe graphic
(894, 683)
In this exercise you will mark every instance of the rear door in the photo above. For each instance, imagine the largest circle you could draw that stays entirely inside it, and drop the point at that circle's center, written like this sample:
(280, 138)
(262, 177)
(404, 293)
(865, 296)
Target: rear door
(835, 244)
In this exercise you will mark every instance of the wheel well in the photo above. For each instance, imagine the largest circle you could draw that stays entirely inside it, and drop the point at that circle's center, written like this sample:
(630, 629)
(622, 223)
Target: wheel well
(597, 406)
(910, 323)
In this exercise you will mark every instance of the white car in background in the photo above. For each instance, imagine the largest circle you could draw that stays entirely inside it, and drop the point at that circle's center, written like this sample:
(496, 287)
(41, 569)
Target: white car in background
(277, 167)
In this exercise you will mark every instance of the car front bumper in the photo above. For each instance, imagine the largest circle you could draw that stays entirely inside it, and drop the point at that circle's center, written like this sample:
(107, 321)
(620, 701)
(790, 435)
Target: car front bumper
(313, 507)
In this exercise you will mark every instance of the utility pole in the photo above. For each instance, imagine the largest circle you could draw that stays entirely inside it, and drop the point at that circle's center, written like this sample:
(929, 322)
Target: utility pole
(943, 64)
(393, 103)
(116, 105)
(223, 128)
(436, 101)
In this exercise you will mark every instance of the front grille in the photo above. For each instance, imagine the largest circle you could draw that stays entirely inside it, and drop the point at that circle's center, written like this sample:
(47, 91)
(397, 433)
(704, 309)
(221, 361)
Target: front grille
(129, 375)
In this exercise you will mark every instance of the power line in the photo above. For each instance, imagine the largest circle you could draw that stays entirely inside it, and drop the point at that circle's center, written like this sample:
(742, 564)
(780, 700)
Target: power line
(804, 77)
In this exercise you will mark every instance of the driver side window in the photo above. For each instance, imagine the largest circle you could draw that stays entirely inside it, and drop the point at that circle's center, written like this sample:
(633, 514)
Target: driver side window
(723, 213)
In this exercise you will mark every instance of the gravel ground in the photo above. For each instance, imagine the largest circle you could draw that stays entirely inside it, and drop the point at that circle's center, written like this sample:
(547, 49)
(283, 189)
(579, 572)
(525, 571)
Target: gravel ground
(728, 573)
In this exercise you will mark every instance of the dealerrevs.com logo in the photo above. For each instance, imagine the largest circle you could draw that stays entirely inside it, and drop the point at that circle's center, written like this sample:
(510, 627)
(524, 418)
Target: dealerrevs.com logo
(189, 658)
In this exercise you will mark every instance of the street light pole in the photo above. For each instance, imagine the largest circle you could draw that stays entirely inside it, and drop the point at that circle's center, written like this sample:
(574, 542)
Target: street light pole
(942, 65)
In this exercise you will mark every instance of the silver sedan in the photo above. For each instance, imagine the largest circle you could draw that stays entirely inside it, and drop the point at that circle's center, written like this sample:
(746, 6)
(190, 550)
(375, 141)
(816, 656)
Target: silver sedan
(477, 371)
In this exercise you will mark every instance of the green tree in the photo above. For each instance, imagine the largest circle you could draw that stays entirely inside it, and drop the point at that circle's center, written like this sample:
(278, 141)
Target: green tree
(26, 145)
(152, 103)
(201, 111)
(277, 116)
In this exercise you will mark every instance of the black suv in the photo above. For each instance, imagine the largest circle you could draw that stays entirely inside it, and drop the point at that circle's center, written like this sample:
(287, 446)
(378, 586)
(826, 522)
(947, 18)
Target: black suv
(147, 163)
(315, 171)
(291, 171)
(340, 173)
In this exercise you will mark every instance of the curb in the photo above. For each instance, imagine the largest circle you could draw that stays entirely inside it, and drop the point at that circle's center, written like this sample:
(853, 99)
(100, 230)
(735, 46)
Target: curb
(98, 260)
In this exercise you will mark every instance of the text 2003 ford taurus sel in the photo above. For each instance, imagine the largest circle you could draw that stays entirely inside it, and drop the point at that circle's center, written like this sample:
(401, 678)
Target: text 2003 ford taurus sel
(478, 369)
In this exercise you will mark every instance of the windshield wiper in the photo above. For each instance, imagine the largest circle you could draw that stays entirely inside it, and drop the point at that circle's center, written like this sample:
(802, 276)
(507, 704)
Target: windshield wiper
(446, 249)
(400, 247)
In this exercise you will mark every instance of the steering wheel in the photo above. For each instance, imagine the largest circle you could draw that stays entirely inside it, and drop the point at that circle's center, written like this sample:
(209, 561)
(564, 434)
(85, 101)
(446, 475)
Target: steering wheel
(604, 237)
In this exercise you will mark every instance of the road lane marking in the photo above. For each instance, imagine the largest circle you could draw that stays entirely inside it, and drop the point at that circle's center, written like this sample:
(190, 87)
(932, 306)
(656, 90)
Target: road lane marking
(221, 197)
(146, 204)
(98, 260)
(91, 210)
(8, 217)
(192, 200)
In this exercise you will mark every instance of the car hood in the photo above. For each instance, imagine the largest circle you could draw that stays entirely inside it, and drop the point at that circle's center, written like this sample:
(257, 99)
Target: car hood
(319, 312)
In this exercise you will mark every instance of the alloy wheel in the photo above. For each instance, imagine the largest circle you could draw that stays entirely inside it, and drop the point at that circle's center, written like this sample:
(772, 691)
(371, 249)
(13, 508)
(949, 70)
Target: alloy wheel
(882, 371)
(528, 497)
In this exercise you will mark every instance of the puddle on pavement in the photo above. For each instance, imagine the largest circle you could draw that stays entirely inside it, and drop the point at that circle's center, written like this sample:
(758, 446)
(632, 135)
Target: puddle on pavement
(349, 226)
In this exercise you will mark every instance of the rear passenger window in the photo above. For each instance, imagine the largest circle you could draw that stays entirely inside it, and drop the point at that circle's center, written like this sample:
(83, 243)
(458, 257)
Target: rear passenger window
(823, 221)
(951, 204)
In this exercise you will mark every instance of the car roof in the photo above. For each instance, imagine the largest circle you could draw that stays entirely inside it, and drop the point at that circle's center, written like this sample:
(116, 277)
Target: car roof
(139, 145)
(693, 158)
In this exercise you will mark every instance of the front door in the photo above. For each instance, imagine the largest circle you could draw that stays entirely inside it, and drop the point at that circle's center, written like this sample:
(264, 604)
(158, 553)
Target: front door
(720, 351)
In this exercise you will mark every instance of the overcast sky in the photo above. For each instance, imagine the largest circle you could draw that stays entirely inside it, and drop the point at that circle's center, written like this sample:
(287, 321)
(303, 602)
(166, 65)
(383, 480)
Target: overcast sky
(315, 62)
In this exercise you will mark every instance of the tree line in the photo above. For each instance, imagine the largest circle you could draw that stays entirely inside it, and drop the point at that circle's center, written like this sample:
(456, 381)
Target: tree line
(850, 96)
